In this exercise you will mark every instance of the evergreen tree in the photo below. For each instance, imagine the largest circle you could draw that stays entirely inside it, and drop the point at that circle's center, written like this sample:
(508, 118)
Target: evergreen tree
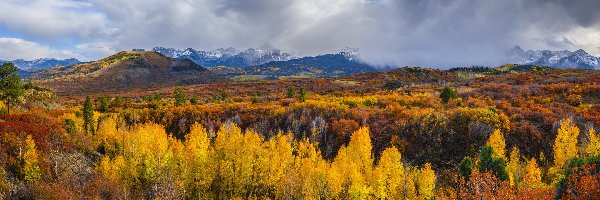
(194, 100)
(447, 94)
(291, 92)
(487, 163)
(88, 115)
(103, 103)
(302, 95)
(179, 96)
(466, 167)
(11, 87)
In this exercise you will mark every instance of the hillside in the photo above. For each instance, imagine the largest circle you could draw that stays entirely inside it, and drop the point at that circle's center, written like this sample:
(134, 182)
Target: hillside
(125, 71)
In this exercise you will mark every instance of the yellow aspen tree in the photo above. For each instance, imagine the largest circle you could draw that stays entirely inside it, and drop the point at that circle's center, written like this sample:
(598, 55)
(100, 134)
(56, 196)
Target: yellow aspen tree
(389, 175)
(254, 163)
(279, 156)
(226, 146)
(593, 147)
(426, 181)
(565, 144)
(359, 152)
(409, 187)
(238, 161)
(360, 149)
(302, 177)
(105, 169)
(177, 166)
(197, 145)
(31, 168)
(147, 153)
(498, 144)
(198, 177)
(533, 174)
(334, 181)
(107, 135)
(122, 170)
(107, 129)
(514, 168)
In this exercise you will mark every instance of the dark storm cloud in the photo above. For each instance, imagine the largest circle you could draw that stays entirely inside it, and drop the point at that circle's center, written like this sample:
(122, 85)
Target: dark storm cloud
(584, 12)
(436, 33)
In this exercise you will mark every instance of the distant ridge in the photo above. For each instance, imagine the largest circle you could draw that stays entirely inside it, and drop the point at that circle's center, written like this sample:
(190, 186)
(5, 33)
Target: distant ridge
(41, 64)
(328, 65)
(267, 62)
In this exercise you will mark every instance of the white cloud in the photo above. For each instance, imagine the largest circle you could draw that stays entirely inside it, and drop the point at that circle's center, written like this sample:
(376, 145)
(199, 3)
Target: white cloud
(54, 19)
(438, 33)
(584, 38)
(15, 48)
(92, 51)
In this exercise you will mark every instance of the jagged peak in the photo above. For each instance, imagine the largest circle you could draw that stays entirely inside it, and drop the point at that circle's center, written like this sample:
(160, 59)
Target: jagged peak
(267, 47)
(517, 49)
(350, 53)
(580, 51)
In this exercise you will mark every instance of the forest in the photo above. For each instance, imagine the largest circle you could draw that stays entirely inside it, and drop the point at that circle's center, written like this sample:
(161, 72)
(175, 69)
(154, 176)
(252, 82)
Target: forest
(409, 133)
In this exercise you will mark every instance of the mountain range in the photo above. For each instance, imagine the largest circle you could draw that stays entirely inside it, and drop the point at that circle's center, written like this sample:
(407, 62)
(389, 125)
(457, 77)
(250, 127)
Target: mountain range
(556, 59)
(229, 57)
(343, 63)
(41, 64)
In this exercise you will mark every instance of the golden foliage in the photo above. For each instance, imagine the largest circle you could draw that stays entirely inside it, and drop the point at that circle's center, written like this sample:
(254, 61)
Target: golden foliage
(426, 182)
(389, 175)
(533, 174)
(593, 147)
(498, 144)
(514, 168)
(565, 144)
(31, 168)
(243, 165)
(197, 144)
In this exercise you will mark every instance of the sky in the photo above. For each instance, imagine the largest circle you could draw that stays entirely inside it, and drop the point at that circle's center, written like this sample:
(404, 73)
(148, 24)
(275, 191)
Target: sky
(427, 33)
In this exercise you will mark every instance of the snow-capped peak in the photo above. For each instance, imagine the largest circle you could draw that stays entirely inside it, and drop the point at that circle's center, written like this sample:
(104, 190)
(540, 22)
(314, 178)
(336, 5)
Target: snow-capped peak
(560, 59)
(228, 56)
(350, 53)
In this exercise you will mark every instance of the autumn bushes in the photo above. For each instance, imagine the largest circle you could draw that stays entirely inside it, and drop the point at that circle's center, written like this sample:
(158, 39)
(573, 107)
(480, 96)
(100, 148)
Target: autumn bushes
(233, 163)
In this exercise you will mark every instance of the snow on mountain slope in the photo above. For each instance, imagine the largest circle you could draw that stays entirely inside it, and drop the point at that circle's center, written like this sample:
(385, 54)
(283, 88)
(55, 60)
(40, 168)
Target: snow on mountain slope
(230, 57)
(559, 59)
